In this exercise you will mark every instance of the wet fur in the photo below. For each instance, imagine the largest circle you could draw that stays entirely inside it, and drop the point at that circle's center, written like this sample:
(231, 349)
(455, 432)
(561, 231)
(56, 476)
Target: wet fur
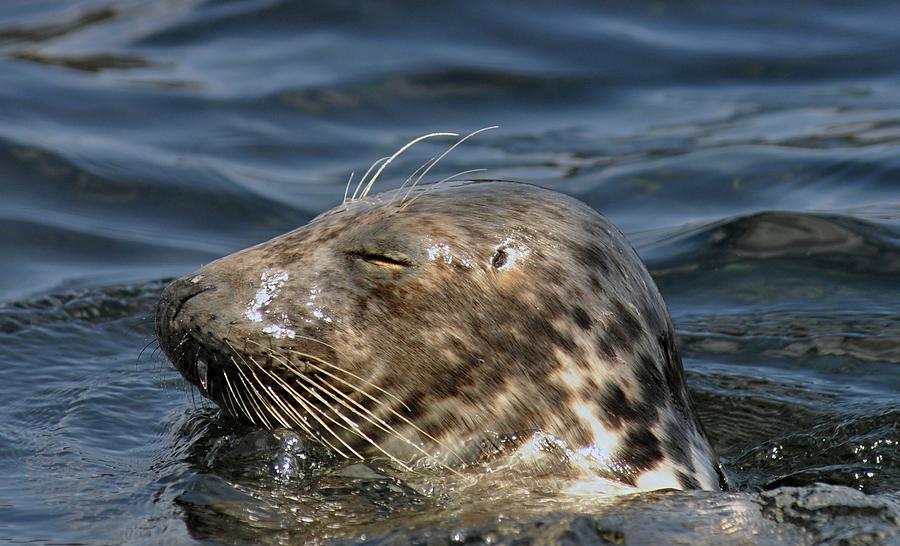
(503, 310)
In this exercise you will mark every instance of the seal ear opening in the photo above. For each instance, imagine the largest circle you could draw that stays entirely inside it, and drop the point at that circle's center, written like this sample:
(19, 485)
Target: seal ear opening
(498, 260)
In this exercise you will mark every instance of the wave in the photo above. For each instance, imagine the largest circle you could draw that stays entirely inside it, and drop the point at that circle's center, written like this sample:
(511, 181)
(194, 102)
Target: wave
(771, 259)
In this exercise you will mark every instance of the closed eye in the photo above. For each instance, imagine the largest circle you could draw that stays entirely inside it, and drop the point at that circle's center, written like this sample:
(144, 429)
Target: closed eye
(381, 260)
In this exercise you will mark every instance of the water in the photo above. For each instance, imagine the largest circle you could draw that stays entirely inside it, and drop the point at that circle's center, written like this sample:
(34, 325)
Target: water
(750, 151)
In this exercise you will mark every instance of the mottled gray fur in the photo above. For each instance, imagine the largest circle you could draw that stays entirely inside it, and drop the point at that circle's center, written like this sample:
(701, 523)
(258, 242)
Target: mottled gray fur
(467, 315)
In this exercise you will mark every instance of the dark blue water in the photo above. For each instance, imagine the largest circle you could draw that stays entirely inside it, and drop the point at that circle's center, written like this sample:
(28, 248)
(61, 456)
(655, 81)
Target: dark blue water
(750, 151)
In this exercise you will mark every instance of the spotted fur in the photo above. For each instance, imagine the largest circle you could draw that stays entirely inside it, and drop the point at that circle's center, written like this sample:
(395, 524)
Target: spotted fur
(439, 322)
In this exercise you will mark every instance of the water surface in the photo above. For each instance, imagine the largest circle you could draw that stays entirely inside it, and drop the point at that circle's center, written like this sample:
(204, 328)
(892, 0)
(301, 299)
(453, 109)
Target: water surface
(750, 151)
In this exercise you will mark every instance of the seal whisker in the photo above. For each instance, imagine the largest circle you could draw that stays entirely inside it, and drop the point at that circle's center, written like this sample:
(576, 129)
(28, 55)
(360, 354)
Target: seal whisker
(299, 419)
(443, 155)
(369, 396)
(300, 422)
(405, 147)
(230, 397)
(351, 374)
(152, 341)
(235, 395)
(315, 392)
(272, 410)
(410, 177)
(362, 411)
(338, 368)
(252, 397)
(304, 376)
(329, 374)
(308, 407)
(314, 412)
(255, 399)
(347, 188)
(354, 426)
(365, 176)
(367, 414)
(292, 414)
(177, 349)
(339, 398)
(238, 396)
(438, 183)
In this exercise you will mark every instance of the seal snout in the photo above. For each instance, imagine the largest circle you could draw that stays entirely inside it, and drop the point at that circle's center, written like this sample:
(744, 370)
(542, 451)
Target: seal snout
(171, 303)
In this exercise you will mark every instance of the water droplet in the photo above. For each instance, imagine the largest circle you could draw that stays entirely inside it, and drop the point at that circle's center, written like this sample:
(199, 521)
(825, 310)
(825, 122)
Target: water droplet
(201, 372)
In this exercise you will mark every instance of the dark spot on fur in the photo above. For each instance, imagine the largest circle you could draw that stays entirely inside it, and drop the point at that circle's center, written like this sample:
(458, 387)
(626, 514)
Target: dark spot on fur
(652, 390)
(604, 347)
(582, 319)
(617, 410)
(452, 380)
(624, 329)
(686, 481)
(613, 406)
(639, 450)
(558, 395)
(596, 284)
(676, 442)
(590, 391)
(674, 374)
(592, 256)
(654, 319)
(541, 330)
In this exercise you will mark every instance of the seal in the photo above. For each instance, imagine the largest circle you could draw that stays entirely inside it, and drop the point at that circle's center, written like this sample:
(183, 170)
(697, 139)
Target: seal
(459, 322)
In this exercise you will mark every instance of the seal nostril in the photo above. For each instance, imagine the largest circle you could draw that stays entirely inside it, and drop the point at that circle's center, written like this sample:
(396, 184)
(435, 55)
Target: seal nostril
(188, 296)
(178, 293)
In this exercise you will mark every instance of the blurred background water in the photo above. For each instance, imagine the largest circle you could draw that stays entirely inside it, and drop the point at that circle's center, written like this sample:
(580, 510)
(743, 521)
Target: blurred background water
(749, 150)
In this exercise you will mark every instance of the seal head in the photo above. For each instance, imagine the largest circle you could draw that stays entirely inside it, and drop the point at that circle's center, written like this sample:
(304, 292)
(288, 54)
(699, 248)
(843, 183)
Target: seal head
(453, 322)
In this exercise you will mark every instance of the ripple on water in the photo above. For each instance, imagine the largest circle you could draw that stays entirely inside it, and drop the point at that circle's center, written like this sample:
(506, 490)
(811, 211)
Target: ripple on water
(750, 152)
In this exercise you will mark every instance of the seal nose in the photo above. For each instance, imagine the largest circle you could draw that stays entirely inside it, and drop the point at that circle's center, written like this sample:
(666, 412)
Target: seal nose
(173, 299)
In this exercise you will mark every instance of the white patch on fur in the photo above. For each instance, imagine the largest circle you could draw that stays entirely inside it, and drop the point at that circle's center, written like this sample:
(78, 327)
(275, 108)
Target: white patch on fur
(515, 251)
(605, 441)
(657, 479)
(271, 284)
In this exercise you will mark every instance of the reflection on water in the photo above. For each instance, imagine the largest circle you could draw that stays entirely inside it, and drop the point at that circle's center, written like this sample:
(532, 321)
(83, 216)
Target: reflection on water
(749, 151)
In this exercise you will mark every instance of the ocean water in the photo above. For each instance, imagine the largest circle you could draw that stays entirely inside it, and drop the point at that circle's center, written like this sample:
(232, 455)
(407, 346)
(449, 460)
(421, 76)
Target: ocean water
(749, 150)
